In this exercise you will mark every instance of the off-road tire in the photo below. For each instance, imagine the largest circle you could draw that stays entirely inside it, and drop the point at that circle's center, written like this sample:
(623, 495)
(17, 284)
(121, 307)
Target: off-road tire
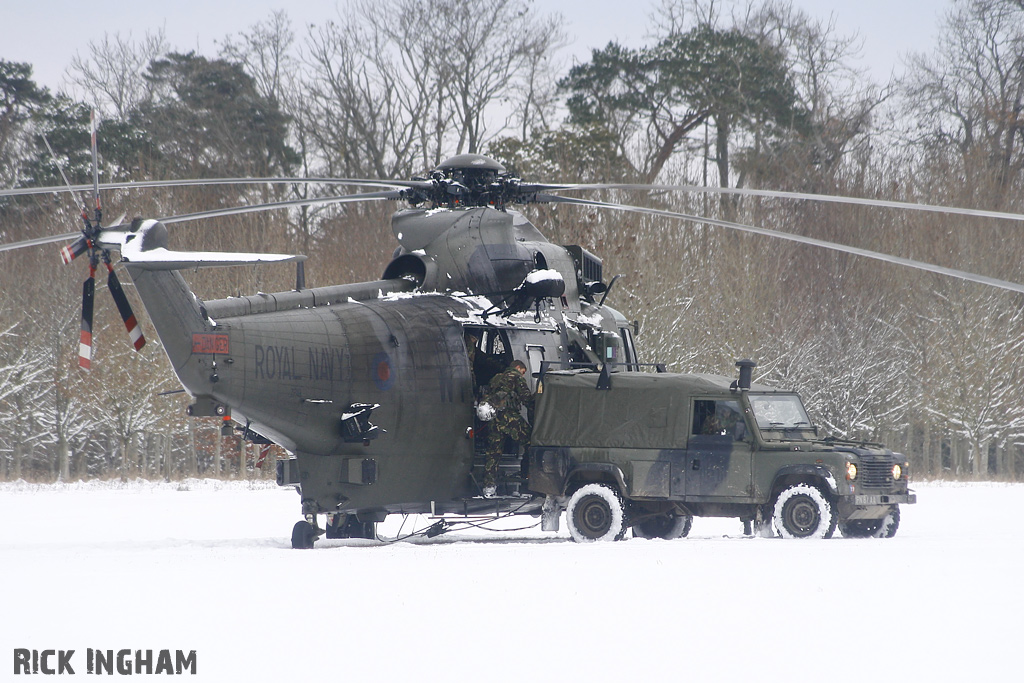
(890, 525)
(872, 528)
(859, 528)
(595, 513)
(803, 511)
(667, 527)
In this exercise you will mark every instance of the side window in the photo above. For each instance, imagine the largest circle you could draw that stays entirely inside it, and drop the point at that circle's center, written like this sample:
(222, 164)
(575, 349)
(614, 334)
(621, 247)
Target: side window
(535, 356)
(628, 347)
(718, 418)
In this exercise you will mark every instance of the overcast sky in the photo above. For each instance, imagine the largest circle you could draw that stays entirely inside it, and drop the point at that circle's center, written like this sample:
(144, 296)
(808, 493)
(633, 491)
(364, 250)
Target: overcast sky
(47, 33)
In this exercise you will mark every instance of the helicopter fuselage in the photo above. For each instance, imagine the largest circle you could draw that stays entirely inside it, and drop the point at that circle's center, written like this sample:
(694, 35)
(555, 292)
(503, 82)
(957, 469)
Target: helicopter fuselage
(370, 385)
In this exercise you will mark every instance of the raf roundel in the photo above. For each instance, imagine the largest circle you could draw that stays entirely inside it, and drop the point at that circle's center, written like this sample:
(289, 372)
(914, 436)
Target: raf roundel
(383, 377)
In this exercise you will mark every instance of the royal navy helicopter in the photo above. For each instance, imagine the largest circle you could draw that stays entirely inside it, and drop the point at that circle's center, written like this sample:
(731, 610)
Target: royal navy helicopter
(372, 386)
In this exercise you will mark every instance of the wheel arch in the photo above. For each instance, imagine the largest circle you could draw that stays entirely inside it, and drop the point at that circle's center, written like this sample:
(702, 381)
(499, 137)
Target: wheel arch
(818, 476)
(595, 473)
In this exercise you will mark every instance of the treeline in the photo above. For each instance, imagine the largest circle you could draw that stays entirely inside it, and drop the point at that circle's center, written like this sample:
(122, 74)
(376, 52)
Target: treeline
(726, 95)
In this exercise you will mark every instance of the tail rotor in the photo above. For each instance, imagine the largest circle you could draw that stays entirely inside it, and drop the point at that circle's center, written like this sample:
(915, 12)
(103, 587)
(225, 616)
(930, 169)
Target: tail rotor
(89, 242)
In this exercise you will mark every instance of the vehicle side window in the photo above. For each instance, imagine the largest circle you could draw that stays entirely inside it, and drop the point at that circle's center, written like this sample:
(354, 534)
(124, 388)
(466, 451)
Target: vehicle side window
(718, 418)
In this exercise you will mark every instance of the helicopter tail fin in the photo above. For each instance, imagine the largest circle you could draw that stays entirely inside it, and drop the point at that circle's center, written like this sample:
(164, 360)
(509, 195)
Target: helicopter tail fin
(173, 308)
(144, 246)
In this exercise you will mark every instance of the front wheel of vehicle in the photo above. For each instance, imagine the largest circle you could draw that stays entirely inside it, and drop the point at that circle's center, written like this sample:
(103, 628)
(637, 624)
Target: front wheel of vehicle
(803, 511)
(873, 528)
(595, 513)
(889, 525)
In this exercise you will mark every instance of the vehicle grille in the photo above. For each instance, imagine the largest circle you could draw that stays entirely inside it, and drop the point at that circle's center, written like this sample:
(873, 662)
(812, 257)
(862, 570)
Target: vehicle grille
(875, 473)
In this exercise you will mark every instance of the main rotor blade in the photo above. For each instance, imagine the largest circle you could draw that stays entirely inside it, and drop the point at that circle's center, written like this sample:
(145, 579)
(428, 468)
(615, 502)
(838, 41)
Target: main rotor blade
(125, 309)
(85, 341)
(234, 211)
(528, 188)
(343, 199)
(40, 240)
(197, 182)
(780, 194)
(879, 256)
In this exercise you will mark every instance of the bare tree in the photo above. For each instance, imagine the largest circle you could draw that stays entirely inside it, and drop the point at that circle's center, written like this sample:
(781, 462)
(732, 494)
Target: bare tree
(266, 52)
(968, 95)
(111, 76)
(397, 85)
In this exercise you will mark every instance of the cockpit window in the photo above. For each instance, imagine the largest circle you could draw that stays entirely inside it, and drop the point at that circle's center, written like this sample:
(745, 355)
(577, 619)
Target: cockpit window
(774, 411)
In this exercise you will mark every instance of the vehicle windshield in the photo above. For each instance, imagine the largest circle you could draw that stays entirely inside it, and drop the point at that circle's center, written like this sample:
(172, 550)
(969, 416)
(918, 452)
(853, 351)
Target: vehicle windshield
(779, 412)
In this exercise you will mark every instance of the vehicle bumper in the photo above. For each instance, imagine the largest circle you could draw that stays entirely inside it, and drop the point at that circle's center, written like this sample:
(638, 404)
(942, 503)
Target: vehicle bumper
(871, 499)
(872, 505)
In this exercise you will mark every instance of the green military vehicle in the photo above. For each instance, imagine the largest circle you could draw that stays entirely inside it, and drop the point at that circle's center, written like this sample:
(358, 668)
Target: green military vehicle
(651, 451)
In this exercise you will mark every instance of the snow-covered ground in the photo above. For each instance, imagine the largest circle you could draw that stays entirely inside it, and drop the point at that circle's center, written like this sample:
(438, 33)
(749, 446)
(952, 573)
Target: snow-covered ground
(207, 566)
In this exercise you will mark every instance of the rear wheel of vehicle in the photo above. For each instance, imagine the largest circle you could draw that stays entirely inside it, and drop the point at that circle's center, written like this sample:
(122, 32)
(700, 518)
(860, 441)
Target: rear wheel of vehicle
(303, 535)
(664, 526)
(803, 511)
(595, 513)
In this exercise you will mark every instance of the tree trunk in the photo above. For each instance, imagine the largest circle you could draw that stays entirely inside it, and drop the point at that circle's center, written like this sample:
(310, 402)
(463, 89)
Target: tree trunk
(722, 160)
(124, 459)
(975, 459)
(64, 459)
(271, 464)
(957, 456)
(165, 450)
(965, 458)
(241, 458)
(1000, 460)
(218, 444)
(926, 447)
(192, 466)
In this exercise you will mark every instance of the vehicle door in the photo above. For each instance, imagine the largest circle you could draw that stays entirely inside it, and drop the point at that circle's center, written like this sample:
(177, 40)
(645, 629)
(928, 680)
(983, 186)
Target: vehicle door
(718, 451)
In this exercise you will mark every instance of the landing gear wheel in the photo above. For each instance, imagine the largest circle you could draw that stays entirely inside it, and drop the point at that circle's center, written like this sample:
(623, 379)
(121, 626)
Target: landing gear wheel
(664, 526)
(803, 511)
(595, 513)
(303, 535)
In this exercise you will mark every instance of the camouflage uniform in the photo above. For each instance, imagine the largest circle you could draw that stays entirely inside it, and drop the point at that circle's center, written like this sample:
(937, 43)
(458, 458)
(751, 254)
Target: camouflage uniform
(507, 393)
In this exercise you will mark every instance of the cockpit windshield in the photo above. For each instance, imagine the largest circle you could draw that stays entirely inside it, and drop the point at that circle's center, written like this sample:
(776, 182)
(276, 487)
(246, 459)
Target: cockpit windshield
(779, 412)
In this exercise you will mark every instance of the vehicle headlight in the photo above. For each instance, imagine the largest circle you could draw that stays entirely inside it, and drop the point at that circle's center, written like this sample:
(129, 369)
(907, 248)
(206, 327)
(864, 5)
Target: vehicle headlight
(897, 471)
(851, 471)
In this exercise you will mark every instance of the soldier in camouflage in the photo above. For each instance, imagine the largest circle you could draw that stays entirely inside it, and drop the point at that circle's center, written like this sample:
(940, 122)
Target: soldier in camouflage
(507, 393)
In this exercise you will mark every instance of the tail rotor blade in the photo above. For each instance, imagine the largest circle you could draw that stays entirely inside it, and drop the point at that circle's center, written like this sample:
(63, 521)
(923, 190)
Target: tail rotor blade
(85, 344)
(125, 309)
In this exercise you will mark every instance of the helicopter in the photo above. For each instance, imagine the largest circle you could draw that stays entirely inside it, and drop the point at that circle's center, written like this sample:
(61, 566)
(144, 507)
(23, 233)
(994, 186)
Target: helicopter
(373, 386)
